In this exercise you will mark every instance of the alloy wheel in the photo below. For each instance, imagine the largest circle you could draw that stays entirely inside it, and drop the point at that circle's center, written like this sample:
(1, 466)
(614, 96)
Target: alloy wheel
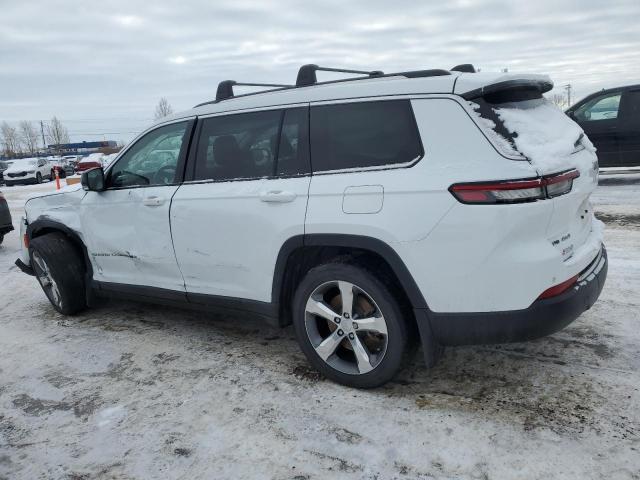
(346, 327)
(46, 280)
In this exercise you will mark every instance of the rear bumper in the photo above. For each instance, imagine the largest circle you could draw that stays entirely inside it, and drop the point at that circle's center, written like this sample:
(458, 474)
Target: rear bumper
(542, 318)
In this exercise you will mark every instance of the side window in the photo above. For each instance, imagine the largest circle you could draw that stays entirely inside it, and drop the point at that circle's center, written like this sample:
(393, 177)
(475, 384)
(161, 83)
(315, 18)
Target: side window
(152, 160)
(599, 108)
(253, 145)
(630, 107)
(237, 146)
(362, 135)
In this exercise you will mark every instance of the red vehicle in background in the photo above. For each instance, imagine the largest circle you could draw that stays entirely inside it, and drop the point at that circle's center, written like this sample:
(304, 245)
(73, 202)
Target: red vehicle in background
(91, 161)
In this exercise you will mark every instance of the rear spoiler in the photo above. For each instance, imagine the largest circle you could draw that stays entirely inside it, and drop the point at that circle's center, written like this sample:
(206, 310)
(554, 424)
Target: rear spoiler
(542, 85)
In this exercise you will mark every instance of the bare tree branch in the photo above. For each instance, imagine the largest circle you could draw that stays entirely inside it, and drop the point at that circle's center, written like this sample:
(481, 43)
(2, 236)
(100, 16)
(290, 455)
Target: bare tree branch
(10, 139)
(163, 109)
(29, 136)
(56, 132)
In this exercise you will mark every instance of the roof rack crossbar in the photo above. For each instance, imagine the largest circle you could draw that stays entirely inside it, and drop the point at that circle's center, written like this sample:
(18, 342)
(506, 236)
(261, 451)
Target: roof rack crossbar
(307, 73)
(225, 88)
(307, 77)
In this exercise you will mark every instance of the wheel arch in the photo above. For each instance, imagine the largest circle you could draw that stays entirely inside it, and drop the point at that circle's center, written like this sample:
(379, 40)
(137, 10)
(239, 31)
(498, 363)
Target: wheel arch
(43, 226)
(302, 252)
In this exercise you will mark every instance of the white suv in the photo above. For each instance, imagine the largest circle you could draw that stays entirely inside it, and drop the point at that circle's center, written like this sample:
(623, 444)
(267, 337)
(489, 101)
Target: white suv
(373, 213)
(27, 170)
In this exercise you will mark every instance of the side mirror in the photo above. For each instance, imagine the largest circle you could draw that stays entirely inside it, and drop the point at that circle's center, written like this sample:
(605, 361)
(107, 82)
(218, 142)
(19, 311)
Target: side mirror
(93, 180)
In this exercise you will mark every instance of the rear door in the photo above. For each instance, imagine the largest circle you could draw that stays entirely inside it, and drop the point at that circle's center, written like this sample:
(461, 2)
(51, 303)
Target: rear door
(629, 128)
(246, 194)
(598, 117)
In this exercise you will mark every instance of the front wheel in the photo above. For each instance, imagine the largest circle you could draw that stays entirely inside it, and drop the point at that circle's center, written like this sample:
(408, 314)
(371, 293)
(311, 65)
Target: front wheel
(59, 268)
(38, 177)
(350, 326)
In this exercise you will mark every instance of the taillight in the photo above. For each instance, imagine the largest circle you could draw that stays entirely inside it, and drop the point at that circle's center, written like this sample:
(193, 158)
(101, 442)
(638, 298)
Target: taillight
(515, 191)
(558, 289)
(25, 240)
(499, 192)
(560, 183)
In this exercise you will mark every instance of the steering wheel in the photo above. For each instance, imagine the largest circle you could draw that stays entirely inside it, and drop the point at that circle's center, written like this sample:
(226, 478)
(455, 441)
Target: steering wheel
(165, 175)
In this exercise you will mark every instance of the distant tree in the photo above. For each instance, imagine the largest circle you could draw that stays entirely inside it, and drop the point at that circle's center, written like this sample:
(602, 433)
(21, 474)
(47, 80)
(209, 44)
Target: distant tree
(56, 132)
(10, 139)
(163, 109)
(559, 99)
(29, 136)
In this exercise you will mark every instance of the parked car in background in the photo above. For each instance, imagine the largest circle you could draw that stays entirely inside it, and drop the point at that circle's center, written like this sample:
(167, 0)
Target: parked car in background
(5, 218)
(27, 170)
(4, 164)
(57, 164)
(611, 120)
(71, 162)
(92, 160)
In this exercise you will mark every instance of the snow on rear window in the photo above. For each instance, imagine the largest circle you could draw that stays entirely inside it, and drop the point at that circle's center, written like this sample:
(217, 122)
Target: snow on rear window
(542, 132)
(489, 128)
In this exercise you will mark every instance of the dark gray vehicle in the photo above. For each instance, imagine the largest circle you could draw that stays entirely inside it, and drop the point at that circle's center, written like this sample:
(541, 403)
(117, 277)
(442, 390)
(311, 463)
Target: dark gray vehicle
(5, 218)
(4, 164)
(611, 120)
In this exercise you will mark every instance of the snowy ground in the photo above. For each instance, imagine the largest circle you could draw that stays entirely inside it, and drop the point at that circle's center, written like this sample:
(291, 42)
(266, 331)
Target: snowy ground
(137, 391)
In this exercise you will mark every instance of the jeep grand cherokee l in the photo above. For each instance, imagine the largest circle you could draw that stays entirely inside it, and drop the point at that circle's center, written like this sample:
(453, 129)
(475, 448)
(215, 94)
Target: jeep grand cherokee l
(373, 213)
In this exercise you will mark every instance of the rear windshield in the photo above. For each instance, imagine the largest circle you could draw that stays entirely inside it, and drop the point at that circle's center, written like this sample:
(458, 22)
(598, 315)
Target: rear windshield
(525, 124)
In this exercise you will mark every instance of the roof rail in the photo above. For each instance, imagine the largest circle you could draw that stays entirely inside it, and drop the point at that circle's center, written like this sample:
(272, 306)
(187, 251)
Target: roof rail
(307, 74)
(307, 77)
(464, 68)
(225, 88)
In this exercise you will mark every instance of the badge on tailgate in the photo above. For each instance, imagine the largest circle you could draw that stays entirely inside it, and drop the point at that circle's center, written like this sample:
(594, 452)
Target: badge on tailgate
(564, 245)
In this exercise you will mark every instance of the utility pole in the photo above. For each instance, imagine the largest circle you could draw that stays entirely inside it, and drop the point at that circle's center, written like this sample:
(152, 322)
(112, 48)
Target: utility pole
(44, 144)
(568, 89)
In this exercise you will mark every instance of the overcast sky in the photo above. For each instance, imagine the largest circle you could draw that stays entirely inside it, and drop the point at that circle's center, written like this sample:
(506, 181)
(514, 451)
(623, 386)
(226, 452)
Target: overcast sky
(102, 66)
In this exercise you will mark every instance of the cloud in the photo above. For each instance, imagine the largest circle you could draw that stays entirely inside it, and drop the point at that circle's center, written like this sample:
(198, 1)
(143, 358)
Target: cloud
(114, 60)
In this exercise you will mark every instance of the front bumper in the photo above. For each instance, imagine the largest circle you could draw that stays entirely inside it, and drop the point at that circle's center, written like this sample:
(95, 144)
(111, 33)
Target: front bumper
(542, 318)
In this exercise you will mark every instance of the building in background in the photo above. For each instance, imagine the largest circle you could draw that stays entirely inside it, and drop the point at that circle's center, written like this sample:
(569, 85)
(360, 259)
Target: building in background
(83, 148)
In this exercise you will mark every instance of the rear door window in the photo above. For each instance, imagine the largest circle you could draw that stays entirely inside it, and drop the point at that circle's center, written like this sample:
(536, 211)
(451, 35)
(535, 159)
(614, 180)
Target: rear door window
(363, 135)
(253, 145)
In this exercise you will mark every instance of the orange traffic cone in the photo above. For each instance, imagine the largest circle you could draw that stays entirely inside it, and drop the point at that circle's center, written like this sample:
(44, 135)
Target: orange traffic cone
(57, 179)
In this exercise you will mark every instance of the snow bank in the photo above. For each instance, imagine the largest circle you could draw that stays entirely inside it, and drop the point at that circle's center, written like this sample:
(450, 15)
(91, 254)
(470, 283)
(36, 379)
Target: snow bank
(543, 133)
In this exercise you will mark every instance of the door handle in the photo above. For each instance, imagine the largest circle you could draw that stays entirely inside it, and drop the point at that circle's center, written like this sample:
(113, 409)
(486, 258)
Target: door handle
(277, 196)
(153, 201)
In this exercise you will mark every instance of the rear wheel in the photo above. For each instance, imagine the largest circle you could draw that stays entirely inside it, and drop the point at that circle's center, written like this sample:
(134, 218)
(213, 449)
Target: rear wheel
(1, 238)
(350, 326)
(59, 268)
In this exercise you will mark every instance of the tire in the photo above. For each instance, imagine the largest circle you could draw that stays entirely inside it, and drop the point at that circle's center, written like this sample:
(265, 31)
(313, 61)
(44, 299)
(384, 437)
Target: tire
(317, 335)
(8, 184)
(1, 238)
(60, 270)
(38, 177)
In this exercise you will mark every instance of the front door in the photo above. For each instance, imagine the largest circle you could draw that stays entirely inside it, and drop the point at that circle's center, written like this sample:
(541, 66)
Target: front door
(246, 196)
(629, 128)
(598, 118)
(127, 225)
